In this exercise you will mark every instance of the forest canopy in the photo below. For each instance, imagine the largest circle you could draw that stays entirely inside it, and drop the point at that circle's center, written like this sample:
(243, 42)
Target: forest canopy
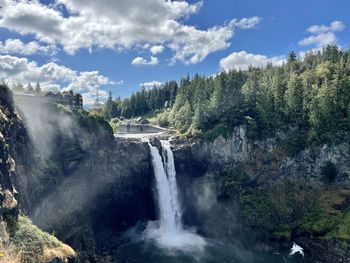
(310, 95)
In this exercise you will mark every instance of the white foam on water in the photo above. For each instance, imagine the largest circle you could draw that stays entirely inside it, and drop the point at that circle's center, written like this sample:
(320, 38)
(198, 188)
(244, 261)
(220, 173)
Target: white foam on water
(296, 249)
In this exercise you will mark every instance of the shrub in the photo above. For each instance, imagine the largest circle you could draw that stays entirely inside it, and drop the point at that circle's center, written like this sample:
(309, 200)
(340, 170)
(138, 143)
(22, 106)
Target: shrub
(163, 119)
(33, 245)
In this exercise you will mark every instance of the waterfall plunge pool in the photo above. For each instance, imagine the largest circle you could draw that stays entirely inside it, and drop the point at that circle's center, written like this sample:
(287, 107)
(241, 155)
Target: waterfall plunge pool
(139, 248)
(168, 241)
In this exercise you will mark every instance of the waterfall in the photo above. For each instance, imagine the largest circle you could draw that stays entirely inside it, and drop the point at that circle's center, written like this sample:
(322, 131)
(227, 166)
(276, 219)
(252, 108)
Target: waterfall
(168, 158)
(168, 230)
(168, 206)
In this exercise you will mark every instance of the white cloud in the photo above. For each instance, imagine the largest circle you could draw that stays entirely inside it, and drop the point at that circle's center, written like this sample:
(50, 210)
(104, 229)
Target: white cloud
(243, 60)
(139, 61)
(335, 26)
(320, 40)
(322, 35)
(151, 84)
(157, 49)
(52, 76)
(120, 24)
(246, 23)
(16, 46)
(90, 97)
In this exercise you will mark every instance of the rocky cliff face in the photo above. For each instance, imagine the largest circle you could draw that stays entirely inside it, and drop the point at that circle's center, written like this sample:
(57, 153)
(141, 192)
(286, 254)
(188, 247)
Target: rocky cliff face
(265, 195)
(81, 182)
(17, 233)
(223, 152)
(10, 127)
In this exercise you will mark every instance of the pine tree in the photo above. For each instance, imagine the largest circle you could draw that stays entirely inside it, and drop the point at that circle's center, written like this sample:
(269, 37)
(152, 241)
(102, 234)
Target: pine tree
(294, 99)
(108, 107)
(279, 89)
(292, 57)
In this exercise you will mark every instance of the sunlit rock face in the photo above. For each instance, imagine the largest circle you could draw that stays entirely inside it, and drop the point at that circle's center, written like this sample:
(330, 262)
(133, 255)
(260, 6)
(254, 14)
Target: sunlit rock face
(223, 151)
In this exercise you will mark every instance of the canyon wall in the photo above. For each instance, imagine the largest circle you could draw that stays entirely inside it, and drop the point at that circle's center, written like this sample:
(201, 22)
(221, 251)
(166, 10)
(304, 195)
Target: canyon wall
(265, 195)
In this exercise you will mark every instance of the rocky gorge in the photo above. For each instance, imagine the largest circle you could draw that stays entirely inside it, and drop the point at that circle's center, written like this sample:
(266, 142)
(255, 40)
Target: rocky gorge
(265, 195)
(76, 180)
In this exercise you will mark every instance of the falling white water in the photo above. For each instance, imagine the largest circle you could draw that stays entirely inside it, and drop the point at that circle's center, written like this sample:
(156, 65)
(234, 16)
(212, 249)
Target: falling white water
(168, 231)
(168, 158)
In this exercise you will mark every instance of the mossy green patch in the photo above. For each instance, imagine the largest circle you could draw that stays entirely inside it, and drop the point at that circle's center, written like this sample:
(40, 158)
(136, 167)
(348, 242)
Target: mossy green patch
(341, 229)
(215, 132)
(34, 245)
(317, 222)
(233, 181)
(328, 219)
(283, 234)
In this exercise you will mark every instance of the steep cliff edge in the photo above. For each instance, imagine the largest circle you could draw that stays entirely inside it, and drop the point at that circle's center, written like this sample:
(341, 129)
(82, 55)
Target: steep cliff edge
(81, 182)
(266, 194)
(19, 238)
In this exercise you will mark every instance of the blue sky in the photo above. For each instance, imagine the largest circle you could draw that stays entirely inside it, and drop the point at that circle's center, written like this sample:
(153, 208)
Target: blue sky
(117, 45)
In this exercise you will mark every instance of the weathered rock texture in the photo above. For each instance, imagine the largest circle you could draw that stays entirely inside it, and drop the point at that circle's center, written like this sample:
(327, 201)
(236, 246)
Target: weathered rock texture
(14, 140)
(259, 167)
(10, 127)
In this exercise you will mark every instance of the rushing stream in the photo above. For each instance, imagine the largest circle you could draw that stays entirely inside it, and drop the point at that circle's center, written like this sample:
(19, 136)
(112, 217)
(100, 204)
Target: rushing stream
(167, 240)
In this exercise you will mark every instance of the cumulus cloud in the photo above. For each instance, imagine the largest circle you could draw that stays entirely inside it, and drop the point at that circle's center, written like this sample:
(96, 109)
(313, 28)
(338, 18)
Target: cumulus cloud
(52, 76)
(335, 26)
(243, 60)
(120, 24)
(151, 84)
(246, 23)
(16, 46)
(139, 61)
(322, 35)
(157, 49)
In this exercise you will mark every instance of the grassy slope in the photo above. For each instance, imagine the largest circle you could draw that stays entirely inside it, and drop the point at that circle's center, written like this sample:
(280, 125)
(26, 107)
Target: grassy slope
(32, 245)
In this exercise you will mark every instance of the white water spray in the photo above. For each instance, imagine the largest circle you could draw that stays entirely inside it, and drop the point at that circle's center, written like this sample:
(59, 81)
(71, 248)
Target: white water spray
(168, 231)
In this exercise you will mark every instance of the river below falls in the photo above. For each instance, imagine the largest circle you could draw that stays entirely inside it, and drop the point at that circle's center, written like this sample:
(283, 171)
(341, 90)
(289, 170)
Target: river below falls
(136, 247)
(147, 251)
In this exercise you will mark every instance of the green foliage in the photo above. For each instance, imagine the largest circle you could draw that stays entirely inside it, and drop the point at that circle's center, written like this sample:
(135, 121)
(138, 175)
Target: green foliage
(114, 124)
(277, 208)
(96, 113)
(140, 103)
(233, 182)
(309, 95)
(162, 119)
(296, 142)
(341, 231)
(327, 219)
(317, 222)
(35, 245)
(212, 134)
(183, 118)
